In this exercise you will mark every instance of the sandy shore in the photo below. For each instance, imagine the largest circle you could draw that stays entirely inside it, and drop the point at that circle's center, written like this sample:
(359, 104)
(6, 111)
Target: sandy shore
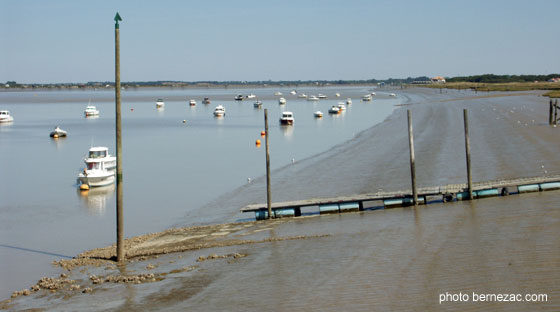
(422, 252)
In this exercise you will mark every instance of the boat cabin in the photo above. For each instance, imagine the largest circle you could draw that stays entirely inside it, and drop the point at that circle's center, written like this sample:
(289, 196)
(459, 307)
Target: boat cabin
(98, 152)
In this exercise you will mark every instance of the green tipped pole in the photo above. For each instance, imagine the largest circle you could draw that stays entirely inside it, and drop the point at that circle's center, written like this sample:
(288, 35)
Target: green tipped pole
(268, 200)
(120, 221)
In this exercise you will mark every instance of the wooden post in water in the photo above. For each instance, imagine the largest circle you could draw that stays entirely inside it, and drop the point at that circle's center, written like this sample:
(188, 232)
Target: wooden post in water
(412, 167)
(555, 112)
(120, 221)
(550, 109)
(268, 199)
(468, 151)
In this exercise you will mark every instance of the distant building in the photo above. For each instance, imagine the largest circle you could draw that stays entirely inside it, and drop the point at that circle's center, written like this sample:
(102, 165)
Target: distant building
(554, 80)
(438, 79)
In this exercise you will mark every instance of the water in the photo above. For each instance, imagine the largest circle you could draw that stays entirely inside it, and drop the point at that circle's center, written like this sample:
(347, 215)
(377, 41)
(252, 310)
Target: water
(173, 171)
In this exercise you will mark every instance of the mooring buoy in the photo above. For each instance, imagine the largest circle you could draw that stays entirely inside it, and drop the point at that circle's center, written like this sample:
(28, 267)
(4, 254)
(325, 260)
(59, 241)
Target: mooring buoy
(84, 187)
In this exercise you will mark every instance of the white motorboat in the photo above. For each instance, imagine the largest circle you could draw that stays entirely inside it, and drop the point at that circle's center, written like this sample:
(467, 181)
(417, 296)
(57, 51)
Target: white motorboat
(219, 111)
(57, 133)
(321, 96)
(313, 98)
(160, 103)
(373, 94)
(206, 101)
(251, 96)
(392, 94)
(287, 118)
(277, 93)
(192, 102)
(293, 92)
(318, 114)
(341, 106)
(257, 104)
(238, 97)
(337, 94)
(334, 110)
(366, 97)
(100, 168)
(302, 95)
(348, 101)
(281, 101)
(5, 116)
(91, 111)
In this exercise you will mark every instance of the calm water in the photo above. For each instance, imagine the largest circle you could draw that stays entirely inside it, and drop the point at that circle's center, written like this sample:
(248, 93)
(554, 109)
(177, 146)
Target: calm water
(172, 170)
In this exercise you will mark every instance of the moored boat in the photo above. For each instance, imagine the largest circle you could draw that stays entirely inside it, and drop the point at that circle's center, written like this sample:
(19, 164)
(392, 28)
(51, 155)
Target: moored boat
(312, 98)
(318, 114)
(206, 101)
(5, 116)
(160, 103)
(341, 106)
(287, 118)
(192, 102)
(257, 104)
(348, 101)
(321, 96)
(251, 96)
(366, 97)
(302, 95)
(57, 133)
(334, 110)
(281, 101)
(91, 111)
(219, 111)
(238, 97)
(100, 168)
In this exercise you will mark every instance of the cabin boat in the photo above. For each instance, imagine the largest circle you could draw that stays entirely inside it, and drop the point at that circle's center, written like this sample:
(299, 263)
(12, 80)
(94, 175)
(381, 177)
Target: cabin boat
(281, 101)
(293, 92)
(373, 94)
(257, 104)
(5, 116)
(392, 94)
(321, 96)
(313, 98)
(341, 106)
(100, 168)
(219, 111)
(238, 97)
(251, 96)
(91, 111)
(287, 118)
(277, 93)
(206, 101)
(366, 97)
(57, 133)
(337, 94)
(192, 102)
(318, 114)
(302, 95)
(348, 101)
(160, 103)
(334, 110)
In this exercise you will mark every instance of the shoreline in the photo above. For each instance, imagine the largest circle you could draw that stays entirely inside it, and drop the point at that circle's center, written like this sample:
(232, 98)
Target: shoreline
(177, 242)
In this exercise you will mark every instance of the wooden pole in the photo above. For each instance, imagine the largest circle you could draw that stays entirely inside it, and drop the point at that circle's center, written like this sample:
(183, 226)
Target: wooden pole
(412, 167)
(555, 112)
(268, 199)
(120, 221)
(550, 109)
(468, 151)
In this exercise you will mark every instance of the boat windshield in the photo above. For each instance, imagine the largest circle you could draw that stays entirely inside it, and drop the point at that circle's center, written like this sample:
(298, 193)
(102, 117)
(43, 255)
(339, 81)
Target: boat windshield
(97, 154)
(93, 165)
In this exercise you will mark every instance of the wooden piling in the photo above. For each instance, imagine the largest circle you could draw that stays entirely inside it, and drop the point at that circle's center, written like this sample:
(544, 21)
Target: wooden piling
(550, 109)
(120, 221)
(268, 199)
(412, 167)
(555, 112)
(468, 152)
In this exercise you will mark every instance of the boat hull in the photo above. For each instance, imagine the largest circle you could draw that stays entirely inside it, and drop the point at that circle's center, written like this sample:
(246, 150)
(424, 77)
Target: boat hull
(97, 179)
(286, 122)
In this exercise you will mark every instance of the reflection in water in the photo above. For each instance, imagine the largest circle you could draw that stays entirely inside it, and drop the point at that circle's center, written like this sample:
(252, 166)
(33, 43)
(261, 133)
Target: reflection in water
(288, 131)
(96, 198)
(58, 142)
(92, 117)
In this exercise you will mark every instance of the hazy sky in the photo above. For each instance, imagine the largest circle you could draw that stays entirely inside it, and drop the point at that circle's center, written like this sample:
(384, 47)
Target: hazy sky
(73, 41)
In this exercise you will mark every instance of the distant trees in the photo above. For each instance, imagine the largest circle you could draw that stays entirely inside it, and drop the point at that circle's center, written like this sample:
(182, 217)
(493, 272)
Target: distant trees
(491, 78)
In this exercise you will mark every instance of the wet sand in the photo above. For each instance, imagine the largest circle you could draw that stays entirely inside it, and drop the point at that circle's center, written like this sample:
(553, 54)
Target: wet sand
(395, 259)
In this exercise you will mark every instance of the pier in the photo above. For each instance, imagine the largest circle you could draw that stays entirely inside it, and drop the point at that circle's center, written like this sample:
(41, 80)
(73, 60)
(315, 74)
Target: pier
(384, 200)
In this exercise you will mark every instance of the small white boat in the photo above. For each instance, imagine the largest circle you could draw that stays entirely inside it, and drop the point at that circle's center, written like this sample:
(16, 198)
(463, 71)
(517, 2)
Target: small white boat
(348, 101)
(192, 102)
(277, 93)
(206, 101)
(366, 97)
(321, 96)
(100, 168)
(251, 96)
(313, 98)
(91, 111)
(287, 118)
(341, 106)
(392, 94)
(219, 111)
(257, 104)
(302, 95)
(293, 92)
(5, 116)
(160, 103)
(373, 94)
(334, 110)
(238, 97)
(281, 101)
(337, 94)
(57, 133)
(318, 114)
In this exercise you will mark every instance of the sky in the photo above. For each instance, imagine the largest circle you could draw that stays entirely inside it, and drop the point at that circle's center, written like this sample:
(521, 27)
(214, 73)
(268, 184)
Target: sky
(62, 41)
